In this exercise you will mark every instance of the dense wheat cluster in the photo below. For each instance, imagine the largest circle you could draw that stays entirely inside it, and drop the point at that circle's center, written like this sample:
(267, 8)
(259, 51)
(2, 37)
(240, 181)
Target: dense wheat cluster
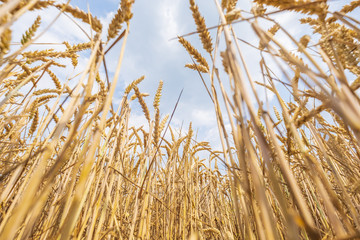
(72, 165)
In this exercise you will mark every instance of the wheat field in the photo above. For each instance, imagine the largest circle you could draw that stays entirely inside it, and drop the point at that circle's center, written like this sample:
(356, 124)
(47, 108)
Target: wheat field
(73, 166)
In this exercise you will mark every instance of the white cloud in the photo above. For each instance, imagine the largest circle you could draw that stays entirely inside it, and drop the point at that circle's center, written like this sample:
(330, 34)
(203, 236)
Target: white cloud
(203, 117)
(137, 120)
(168, 14)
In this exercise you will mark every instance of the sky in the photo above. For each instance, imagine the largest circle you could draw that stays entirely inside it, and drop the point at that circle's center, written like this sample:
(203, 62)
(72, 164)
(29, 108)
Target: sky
(151, 52)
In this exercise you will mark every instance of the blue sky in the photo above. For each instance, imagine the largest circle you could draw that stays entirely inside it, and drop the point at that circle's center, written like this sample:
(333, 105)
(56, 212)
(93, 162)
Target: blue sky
(150, 52)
